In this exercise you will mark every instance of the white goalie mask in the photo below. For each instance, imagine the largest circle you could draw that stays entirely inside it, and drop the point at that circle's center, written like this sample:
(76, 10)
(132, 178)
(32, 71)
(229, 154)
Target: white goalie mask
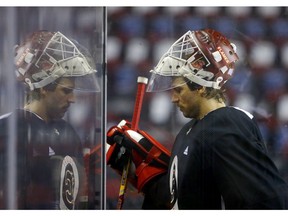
(205, 57)
(46, 56)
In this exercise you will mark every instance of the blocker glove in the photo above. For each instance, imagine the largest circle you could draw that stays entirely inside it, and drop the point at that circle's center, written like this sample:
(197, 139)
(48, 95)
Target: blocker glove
(150, 158)
(117, 155)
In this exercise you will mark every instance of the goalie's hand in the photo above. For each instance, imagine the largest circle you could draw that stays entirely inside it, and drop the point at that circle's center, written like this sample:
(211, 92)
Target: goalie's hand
(133, 141)
(149, 156)
(129, 139)
(117, 130)
(117, 155)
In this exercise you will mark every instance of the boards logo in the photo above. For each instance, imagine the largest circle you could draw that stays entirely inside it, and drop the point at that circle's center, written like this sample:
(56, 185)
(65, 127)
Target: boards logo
(69, 185)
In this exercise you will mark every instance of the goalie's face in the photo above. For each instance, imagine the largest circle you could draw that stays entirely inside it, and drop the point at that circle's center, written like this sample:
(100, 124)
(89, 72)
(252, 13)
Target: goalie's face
(189, 102)
(57, 101)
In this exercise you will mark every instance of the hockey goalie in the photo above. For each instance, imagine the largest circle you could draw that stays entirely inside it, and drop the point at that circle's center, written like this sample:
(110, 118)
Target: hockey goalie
(219, 159)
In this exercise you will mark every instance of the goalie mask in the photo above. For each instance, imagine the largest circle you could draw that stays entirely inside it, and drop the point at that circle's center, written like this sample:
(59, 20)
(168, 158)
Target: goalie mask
(205, 57)
(46, 56)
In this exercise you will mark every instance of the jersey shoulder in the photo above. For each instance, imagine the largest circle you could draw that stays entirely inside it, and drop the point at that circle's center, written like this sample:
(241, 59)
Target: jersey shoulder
(228, 115)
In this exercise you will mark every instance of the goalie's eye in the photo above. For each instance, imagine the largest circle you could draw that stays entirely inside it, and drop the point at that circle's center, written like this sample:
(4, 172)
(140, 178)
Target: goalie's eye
(67, 90)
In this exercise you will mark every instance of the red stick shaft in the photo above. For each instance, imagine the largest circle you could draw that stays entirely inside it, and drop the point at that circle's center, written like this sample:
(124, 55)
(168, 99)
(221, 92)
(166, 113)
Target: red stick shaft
(142, 82)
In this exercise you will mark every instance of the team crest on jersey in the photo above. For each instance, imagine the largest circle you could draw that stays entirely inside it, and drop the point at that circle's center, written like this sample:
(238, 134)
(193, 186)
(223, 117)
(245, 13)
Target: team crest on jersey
(69, 185)
(173, 183)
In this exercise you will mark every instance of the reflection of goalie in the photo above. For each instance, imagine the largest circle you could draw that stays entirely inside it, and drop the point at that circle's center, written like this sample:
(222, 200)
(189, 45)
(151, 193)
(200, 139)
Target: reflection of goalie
(49, 155)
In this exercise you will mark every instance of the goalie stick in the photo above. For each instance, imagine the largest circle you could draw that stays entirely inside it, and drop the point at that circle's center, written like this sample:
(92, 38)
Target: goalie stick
(141, 84)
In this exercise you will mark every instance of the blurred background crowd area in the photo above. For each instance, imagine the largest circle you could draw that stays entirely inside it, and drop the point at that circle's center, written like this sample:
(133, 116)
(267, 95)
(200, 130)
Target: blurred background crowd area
(139, 36)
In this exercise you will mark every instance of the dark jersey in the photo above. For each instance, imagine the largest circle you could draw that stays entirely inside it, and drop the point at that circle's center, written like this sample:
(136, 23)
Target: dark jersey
(45, 153)
(221, 162)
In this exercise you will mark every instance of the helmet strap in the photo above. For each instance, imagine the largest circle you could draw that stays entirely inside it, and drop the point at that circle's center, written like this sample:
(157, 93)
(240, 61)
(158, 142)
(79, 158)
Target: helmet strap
(29, 83)
(201, 81)
(47, 80)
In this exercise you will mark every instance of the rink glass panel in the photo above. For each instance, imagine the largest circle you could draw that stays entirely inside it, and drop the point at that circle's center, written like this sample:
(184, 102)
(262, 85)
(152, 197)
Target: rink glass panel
(86, 115)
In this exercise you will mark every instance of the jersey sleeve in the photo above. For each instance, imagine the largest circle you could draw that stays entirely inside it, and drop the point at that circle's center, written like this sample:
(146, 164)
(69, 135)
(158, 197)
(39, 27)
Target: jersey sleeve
(157, 194)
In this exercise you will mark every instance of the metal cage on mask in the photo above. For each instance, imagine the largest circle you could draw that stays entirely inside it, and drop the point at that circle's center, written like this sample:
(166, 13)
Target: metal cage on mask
(204, 57)
(47, 56)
